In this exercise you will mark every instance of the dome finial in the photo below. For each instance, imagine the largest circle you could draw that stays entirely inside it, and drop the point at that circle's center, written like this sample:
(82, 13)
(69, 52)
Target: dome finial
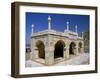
(32, 28)
(67, 23)
(76, 28)
(49, 23)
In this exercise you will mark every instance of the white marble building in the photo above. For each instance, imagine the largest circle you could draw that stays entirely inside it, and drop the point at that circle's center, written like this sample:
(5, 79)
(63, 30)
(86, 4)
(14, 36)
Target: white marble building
(50, 45)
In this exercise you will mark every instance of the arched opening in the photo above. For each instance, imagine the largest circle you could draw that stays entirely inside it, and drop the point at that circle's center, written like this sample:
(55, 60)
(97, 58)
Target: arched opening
(72, 48)
(59, 49)
(79, 47)
(41, 49)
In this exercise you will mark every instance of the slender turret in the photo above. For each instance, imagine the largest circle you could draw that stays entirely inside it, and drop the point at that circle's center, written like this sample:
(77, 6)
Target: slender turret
(49, 23)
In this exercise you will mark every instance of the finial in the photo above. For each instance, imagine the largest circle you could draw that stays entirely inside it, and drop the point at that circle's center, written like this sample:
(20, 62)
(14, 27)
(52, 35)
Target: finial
(49, 23)
(67, 25)
(32, 28)
(76, 28)
(49, 18)
(67, 22)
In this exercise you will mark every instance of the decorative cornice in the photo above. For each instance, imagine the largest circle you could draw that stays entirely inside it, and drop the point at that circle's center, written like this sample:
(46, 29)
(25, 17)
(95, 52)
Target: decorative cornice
(54, 32)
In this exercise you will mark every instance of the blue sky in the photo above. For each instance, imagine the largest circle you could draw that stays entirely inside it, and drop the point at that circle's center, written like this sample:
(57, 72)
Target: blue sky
(58, 22)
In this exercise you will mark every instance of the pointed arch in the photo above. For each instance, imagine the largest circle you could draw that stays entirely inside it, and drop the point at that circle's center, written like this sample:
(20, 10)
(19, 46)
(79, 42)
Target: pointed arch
(41, 49)
(72, 48)
(59, 49)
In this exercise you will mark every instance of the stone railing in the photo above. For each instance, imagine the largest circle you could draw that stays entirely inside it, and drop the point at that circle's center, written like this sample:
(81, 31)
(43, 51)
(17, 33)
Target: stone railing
(69, 34)
(80, 37)
(49, 32)
(72, 33)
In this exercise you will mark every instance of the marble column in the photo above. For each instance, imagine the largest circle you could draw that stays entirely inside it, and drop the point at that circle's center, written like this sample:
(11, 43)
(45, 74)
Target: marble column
(34, 53)
(49, 51)
(34, 50)
(49, 56)
(66, 52)
(82, 47)
(76, 49)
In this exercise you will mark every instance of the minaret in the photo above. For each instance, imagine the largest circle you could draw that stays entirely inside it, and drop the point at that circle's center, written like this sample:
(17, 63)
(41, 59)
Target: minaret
(82, 34)
(32, 29)
(67, 25)
(76, 28)
(49, 23)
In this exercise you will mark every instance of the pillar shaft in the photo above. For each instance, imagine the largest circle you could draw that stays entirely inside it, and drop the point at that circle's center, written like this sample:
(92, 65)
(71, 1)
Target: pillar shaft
(76, 49)
(49, 56)
(66, 52)
(82, 50)
(49, 23)
(67, 26)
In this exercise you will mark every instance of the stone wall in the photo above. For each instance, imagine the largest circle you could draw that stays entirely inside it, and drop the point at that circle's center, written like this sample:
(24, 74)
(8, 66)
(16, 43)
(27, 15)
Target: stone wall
(49, 42)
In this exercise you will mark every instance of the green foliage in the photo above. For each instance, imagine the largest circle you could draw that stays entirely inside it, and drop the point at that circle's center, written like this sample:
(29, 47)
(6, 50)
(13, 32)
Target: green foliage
(86, 39)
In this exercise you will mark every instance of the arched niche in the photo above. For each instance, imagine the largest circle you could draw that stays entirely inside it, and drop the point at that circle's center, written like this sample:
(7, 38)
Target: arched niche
(59, 49)
(72, 48)
(41, 49)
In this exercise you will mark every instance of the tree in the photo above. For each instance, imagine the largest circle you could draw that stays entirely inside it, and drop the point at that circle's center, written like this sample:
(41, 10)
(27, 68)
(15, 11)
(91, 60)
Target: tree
(86, 41)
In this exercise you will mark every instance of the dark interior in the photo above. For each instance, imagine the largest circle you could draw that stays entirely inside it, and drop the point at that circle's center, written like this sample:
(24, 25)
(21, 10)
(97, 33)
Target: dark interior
(41, 50)
(71, 49)
(58, 50)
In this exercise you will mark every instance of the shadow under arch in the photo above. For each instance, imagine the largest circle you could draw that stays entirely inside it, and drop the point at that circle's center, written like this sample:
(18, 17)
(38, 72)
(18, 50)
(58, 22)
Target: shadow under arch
(72, 48)
(79, 47)
(41, 49)
(59, 49)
